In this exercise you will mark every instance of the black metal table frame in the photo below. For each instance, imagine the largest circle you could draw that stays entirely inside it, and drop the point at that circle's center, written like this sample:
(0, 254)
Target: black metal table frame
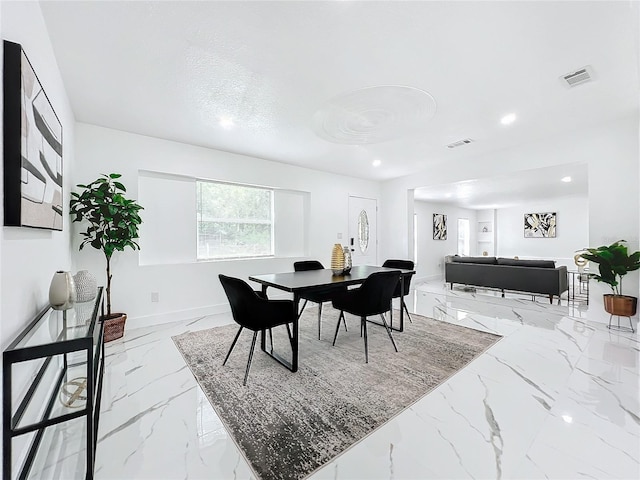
(574, 275)
(357, 275)
(11, 421)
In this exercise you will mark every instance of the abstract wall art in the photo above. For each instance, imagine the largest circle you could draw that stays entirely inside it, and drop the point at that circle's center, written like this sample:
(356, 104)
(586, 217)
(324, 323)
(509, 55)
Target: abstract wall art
(439, 226)
(540, 225)
(32, 136)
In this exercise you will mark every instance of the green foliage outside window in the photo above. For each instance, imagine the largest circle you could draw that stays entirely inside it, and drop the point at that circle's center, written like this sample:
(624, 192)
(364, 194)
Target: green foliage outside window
(234, 221)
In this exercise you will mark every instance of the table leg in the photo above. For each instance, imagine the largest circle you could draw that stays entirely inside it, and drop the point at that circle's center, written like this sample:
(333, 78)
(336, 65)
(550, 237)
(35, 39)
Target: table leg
(401, 300)
(294, 344)
(263, 334)
(293, 364)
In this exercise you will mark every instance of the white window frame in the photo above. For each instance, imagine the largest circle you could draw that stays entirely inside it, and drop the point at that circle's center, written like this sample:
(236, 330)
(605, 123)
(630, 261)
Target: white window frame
(242, 256)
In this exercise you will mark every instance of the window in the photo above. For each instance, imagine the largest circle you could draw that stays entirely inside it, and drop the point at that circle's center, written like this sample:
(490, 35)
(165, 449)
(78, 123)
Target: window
(234, 221)
(463, 236)
(189, 219)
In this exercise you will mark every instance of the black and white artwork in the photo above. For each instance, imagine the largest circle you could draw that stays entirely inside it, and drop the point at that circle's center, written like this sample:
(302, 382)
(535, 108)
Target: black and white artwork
(32, 147)
(540, 225)
(439, 226)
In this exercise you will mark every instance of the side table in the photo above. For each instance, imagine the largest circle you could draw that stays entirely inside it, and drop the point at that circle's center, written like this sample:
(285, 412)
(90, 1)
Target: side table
(578, 286)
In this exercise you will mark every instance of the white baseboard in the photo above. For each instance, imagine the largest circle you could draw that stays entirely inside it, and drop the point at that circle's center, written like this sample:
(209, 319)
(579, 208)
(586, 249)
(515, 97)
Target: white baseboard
(178, 316)
(188, 314)
(429, 278)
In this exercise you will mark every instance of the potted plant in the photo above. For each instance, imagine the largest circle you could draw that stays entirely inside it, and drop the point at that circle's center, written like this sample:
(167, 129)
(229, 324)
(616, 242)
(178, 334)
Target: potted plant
(113, 223)
(614, 262)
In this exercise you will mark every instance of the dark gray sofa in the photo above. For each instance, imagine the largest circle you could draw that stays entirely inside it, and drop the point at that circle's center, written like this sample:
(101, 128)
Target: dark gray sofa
(530, 276)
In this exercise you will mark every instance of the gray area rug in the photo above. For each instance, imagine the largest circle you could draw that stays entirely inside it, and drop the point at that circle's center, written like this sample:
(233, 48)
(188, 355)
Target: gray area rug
(289, 424)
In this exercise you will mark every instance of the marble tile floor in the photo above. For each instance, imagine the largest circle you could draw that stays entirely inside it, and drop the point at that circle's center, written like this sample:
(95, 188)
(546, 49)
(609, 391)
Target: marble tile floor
(557, 397)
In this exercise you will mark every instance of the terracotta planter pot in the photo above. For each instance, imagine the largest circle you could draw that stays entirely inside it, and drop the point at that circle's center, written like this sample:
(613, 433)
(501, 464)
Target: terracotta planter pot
(114, 326)
(620, 305)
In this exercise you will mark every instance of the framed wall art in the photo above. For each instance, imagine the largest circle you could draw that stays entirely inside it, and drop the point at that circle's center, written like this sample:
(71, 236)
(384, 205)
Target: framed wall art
(439, 226)
(32, 136)
(540, 225)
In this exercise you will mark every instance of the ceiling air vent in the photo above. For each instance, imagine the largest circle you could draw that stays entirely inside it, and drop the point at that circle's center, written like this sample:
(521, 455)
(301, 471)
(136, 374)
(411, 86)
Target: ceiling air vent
(578, 77)
(459, 143)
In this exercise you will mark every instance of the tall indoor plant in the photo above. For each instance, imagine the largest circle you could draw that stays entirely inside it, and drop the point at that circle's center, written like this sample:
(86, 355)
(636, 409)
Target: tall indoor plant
(113, 221)
(614, 262)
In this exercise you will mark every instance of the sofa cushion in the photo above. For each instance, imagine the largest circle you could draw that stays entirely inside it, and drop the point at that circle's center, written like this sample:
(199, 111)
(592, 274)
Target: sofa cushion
(527, 263)
(489, 260)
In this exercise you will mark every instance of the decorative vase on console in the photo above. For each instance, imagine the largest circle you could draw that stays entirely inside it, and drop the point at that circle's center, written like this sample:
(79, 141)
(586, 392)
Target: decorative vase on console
(337, 259)
(86, 286)
(348, 262)
(62, 291)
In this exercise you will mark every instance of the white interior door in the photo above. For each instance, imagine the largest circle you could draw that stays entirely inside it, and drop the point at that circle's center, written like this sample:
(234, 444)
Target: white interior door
(363, 230)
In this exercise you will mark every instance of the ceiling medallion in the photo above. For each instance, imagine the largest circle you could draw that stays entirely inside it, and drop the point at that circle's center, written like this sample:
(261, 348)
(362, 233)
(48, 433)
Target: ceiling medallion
(374, 114)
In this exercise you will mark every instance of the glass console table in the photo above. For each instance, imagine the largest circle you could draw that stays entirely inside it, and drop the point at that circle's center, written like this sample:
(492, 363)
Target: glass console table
(52, 379)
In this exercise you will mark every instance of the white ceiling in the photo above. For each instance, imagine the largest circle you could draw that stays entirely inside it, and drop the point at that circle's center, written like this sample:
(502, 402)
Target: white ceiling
(174, 69)
(506, 191)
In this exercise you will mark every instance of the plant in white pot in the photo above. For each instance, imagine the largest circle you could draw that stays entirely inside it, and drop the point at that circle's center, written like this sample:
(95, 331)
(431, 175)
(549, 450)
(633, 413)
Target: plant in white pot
(614, 262)
(113, 223)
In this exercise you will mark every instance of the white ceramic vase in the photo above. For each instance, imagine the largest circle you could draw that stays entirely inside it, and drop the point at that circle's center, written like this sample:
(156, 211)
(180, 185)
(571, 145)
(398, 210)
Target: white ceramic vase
(62, 291)
(86, 286)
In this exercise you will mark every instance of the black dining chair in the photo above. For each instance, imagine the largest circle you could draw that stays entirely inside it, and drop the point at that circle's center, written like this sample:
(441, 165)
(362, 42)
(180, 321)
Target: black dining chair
(318, 296)
(372, 298)
(253, 311)
(404, 265)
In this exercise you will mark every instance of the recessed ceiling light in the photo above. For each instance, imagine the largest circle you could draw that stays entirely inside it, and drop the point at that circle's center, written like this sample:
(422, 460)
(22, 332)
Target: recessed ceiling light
(226, 122)
(508, 119)
(566, 179)
(567, 418)
(377, 162)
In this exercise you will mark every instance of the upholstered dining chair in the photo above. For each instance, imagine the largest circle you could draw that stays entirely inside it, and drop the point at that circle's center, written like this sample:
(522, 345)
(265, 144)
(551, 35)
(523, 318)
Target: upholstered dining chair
(372, 298)
(253, 311)
(318, 296)
(404, 265)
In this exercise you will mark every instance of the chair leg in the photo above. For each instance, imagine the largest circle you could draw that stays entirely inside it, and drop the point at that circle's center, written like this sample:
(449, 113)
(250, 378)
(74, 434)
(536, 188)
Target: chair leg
(271, 339)
(253, 345)
(319, 318)
(344, 321)
(406, 311)
(341, 317)
(388, 331)
(233, 344)
(302, 309)
(363, 321)
(289, 332)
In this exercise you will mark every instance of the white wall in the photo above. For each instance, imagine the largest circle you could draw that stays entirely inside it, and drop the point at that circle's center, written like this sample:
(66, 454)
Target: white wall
(486, 241)
(431, 253)
(572, 233)
(291, 217)
(168, 234)
(29, 257)
(187, 289)
(611, 152)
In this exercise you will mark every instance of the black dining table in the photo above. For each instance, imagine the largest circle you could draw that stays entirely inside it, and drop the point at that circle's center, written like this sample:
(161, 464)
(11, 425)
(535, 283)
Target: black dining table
(305, 281)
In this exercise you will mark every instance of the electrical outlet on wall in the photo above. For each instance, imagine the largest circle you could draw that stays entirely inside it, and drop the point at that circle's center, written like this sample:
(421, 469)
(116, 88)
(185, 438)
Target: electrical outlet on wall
(339, 236)
(155, 297)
